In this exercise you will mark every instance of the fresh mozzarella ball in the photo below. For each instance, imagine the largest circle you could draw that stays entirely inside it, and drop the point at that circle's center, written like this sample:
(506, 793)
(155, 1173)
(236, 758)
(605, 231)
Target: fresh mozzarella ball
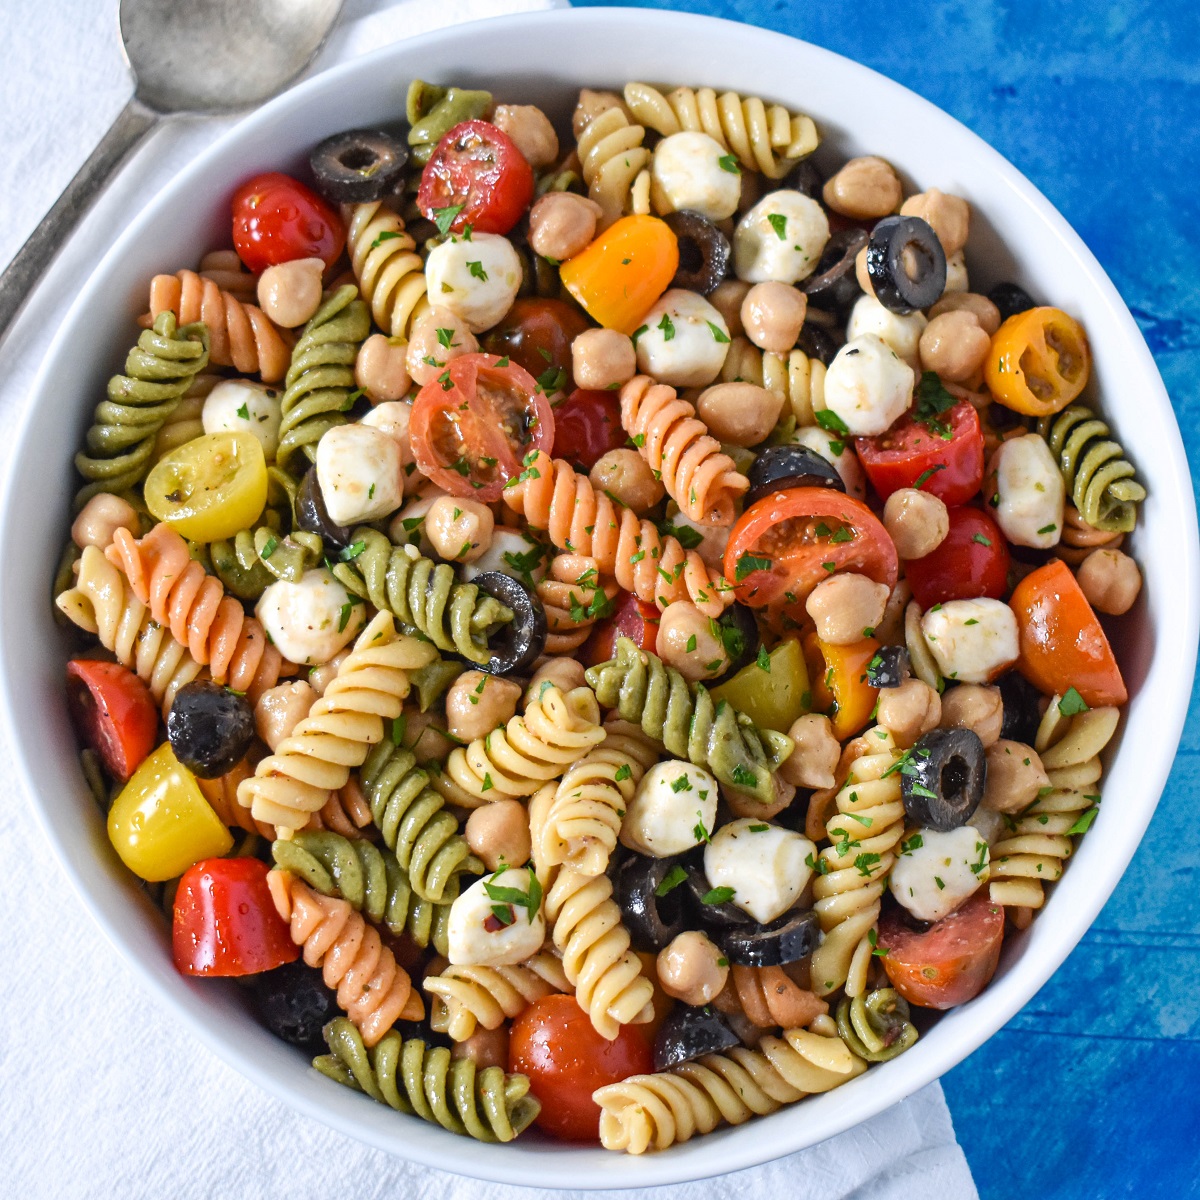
(686, 173)
(901, 332)
(845, 463)
(935, 872)
(512, 552)
(477, 938)
(780, 238)
(683, 340)
(972, 640)
(764, 864)
(240, 406)
(673, 799)
(391, 417)
(868, 385)
(361, 473)
(477, 279)
(956, 274)
(1029, 496)
(311, 620)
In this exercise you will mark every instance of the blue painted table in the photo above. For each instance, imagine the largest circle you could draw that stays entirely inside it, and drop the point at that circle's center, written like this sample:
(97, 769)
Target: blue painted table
(1092, 1090)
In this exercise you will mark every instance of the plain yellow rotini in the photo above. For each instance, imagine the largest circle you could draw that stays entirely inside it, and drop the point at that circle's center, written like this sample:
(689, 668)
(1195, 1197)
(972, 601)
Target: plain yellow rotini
(390, 273)
(615, 165)
(799, 379)
(469, 996)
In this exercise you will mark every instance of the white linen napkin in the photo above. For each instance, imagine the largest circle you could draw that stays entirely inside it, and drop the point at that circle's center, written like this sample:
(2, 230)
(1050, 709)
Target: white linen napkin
(101, 1093)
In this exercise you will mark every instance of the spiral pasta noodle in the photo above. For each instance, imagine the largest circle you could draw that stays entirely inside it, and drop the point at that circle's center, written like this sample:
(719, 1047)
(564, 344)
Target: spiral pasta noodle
(1079, 538)
(552, 496)
(574, 598)
(341, 727)
(258, 557)
(158, 372)
(423, 595)
(346, 812)
(373, 990)
(876, 1026)
(615, 165)
(221, 794)
(186, 422)
(226, 270)
(676, 444)
(853, 871)
(388, 268)
(769, 997)
(240, 334)
(424, 1081)
(767, 139)
(644, 690)
(469, 996)
(795, 376)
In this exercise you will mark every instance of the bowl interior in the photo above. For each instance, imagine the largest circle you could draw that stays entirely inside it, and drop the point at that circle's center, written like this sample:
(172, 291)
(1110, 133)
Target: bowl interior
(544, 59)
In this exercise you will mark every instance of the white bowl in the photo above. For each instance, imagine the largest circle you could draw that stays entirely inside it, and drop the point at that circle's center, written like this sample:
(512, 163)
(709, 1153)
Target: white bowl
(1016, 234)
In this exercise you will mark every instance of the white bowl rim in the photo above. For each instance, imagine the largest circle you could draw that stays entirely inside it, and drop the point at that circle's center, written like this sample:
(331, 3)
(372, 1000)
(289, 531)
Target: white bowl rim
(730, 1149)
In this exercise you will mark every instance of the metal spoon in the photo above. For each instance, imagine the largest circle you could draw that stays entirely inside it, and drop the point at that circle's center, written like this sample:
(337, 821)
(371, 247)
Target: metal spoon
(202, 56)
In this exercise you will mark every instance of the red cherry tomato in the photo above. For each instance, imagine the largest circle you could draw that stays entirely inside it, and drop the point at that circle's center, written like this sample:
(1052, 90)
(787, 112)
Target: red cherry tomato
(277, 219)
(586, 427)
(949, 963)
(972, 561)
(554, 1044)
(471, 427)
(477, 166)
(537, 335)
(114, 713)
(783, 545)
(949, 467)
(631, 618)
(1062, 643)
(225, 922)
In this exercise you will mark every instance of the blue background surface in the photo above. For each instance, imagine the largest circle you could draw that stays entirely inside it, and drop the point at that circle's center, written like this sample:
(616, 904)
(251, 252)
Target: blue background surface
(1092, 1090)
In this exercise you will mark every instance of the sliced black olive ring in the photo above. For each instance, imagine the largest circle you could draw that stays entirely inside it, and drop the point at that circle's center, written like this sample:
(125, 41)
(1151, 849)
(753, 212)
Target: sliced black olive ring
(690, 1033)
(652, 920)
(943, 779)
(781, 467)
(519, 644)
(358, 166)
(906, 263)
(833, 285)
(704, 252)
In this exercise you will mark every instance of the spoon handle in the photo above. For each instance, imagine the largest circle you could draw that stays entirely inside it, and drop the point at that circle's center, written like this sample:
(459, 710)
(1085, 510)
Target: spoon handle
(132, 124)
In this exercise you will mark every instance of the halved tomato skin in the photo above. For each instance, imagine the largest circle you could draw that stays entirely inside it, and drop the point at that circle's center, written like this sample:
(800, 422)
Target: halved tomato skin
(114, 711)
(631, 618)
(971, 561)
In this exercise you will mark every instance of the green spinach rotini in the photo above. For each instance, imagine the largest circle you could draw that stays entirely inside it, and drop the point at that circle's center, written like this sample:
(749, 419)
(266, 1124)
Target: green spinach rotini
(876, 1026)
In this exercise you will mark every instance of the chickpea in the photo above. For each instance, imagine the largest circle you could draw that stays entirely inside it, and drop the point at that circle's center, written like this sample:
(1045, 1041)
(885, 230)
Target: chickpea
(381, 368)
(741, 805)
(100, 518)
(691, 642)
(862, 274)
(477, 703)
(689, 968)
(424, 738)
(530, 128)
(865, 188)
(590, 105)
(280, 709)
(565, 673)
(843, 606)
(1110, 579)
(627, 476)
(916, 521)
(602, 358)
(910, 710)
(499, 833)
(407, 527)
(459, 530)
(948, 216)
(986, 313)
(740, 413)
(954, 345)
(1014, 776)
(772, 314)
(437, 337)
(975, 706)
(561, 224)
(727, 298)
(485, 1047)
(813, 762)
(290, 292)
(322, 676)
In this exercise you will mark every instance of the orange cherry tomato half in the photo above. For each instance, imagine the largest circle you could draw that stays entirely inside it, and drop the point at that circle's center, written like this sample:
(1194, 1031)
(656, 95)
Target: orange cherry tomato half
(783, 545)
(949, 963)
(1038, 363)
(277, 219)
(554, 1043)
(473, 425)
(838, 679)
(624, 271)
(114, 713)
(1062, 642)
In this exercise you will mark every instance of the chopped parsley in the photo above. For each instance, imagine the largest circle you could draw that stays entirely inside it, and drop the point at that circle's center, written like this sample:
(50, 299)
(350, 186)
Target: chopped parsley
(477, 271)
(926, 476)
(386, 236)
(719, 335)
(671, 880)
(668, 330)
(831, 422)
(729, 162)
(718, 895)
(531, 900)
(743, 776)
(443, 218)
(244, 412)
(1072, 703)
(778, 222)
(763, 661)
(748, 564)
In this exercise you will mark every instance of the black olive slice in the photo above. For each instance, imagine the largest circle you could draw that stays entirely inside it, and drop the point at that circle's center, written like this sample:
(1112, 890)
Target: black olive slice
(690, 1033)
(1022, 708)
(710, 912)
(358, 166)
(704, 252)
(652, 920)
(889, 668)
(781, 467)
(209, 727)
(1010, 299)
(833, 285)
(805, 179)
(943, 779)
(294, 1003)
(787, 939)
(311, 513)
(519, 644)
(739, 632)
(819, 343)
(906, 263)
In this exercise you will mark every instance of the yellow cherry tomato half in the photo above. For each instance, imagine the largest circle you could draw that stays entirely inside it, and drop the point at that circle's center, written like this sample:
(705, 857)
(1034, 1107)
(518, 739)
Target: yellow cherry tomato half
(161, 823)
(211, 487)
(839, 682)
(1038, 362)
(772, 695)
(623, 272)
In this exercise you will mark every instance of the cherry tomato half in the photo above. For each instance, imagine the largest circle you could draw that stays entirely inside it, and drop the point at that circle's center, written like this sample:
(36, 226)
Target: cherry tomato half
(1039, 362)
(972, 561)
(783, 545)
(225, 921)
(471, 427)
(949, 963)
(478, 169)
(554, 1043)
(946, 456)
(1062, 642)
(631, 618)
(586, 427)
(277, 219)
(114, 713)
(537, 335)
